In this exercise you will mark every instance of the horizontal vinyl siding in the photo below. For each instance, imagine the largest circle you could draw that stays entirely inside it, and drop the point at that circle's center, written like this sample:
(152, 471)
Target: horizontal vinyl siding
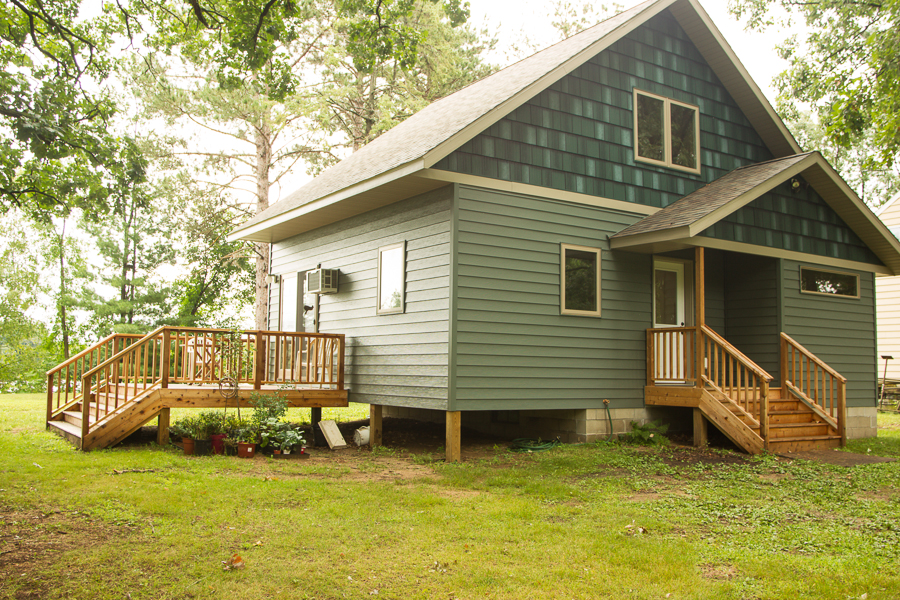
(887, 294)
(513, 348)
(840, 331)
(396, 359)
(751, 322)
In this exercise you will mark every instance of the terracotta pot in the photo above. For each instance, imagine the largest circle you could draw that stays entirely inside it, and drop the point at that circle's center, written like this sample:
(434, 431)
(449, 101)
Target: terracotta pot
(218, 443)
(187, 446)
(246, 450)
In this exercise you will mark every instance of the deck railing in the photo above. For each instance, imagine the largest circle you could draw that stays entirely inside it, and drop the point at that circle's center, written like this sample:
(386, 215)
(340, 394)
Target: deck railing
(671, 356)
(119, 369)
(812, 381)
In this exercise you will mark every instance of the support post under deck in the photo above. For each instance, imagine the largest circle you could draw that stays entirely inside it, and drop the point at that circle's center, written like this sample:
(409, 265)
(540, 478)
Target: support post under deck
(454, 436)
(375, 413)
(162, 434)
(700, 429)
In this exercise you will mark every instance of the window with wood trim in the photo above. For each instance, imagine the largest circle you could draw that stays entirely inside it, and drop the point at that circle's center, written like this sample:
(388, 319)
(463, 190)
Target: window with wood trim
(666, 132)
(829, 283)
(391, 279)
(579, 280)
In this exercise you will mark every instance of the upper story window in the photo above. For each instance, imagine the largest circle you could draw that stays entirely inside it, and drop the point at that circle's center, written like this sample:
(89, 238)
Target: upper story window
(829, 283)
(666, 132)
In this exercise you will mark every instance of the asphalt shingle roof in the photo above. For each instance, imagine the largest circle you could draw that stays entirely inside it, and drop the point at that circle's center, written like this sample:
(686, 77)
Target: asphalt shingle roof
(712, 196)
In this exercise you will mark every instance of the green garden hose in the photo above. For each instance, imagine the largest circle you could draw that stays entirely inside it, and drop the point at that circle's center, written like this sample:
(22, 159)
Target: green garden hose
(528, 445)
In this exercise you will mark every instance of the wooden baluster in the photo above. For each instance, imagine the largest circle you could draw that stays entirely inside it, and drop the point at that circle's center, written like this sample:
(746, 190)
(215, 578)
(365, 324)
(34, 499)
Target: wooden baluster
(164, 353)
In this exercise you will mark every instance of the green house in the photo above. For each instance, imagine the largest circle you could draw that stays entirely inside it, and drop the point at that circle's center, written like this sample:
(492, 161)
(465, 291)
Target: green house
(618, 228)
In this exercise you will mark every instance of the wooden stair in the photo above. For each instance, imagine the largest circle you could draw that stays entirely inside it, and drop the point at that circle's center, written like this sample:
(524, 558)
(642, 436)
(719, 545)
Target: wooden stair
(115, 425)
(792, 425)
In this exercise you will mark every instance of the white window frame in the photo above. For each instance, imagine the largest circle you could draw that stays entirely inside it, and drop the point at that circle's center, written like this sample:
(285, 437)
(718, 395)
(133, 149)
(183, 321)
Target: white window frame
(827, 294)
(402, 308)
(562, 280)
(667, 132)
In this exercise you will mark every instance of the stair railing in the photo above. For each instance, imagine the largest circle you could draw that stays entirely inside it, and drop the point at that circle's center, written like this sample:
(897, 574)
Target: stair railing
(737, 378)
(671, 356)
(64, 381)
(121, 378)
(816, 384)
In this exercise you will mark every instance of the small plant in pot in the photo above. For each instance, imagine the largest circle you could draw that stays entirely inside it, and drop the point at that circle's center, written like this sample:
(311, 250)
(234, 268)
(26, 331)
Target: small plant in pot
(245, 437)
(184, 429)
(289, 439)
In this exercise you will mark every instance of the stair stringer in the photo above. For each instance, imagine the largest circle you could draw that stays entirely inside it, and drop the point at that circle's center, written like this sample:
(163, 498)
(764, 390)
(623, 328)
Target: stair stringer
(730, 424)
(118, 425)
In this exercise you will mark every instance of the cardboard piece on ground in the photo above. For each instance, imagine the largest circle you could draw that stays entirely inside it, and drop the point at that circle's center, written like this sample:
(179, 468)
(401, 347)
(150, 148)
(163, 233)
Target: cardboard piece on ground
(332, 435)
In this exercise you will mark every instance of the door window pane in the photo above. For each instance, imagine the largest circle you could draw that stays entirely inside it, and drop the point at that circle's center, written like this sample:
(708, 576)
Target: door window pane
(666, 297)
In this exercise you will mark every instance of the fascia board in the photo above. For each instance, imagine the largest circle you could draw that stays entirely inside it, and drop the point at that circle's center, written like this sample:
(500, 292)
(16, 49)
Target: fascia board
(501, 110)
(651, 237)
(813, 259)
(749, 196)
(363, 186)
(732, 81)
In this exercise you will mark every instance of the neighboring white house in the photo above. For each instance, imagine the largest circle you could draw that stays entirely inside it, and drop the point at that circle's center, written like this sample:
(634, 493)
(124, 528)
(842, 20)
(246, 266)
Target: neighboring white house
(887, 298)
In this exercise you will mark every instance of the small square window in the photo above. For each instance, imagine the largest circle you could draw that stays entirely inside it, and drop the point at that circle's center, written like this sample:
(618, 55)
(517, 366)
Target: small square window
(580, 280)
(666, 132)
(391, 279)
(829, 283)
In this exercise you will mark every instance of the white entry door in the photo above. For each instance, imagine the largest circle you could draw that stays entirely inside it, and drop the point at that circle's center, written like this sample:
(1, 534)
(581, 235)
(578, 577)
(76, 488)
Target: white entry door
(669, 300)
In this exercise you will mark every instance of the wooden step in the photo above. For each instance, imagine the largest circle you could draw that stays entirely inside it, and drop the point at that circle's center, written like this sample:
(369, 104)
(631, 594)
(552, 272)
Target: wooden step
(69, 432)
(798, 430)
(777, 417)
(819, 442)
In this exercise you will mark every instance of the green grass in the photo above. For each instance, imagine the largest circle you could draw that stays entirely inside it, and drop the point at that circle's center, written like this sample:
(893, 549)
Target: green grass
(587, 521)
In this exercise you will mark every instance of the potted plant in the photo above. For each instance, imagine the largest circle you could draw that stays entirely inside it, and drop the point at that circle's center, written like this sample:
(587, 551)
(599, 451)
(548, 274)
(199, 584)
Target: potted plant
(205, 422)
(245, 437)
(288, 439)
(184, 428)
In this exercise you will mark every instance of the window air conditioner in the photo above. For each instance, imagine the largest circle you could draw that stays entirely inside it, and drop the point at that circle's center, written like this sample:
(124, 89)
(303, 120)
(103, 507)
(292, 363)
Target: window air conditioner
(322, 281)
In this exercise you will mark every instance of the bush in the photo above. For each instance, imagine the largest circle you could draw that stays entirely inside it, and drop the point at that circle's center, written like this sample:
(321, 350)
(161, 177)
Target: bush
(648, 434)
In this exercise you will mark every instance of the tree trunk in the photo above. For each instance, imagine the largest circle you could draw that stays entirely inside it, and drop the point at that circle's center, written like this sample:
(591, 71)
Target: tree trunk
(263, 161)
(63, 318)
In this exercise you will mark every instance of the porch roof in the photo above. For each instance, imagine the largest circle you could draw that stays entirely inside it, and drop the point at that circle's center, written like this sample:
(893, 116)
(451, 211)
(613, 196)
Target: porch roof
(679, 225)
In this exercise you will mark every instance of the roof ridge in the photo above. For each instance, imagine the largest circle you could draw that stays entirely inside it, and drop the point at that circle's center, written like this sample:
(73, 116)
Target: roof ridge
(772, 160)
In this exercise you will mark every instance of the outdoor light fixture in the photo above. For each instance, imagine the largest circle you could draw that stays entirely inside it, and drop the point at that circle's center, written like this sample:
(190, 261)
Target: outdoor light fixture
(270, 279)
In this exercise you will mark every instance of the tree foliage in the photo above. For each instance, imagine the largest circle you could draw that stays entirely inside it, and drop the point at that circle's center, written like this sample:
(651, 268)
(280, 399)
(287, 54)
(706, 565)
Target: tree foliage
(846, 69)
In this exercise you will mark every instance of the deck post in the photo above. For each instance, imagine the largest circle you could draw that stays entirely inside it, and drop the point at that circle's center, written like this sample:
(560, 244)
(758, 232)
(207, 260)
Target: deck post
(86, 398)
(162, 434)
(315, 417)
(700, 429)
(259, 361)
(375, 413)
(49, 398)
(165, 354)
(454, 437)
(700, 317)
(842, 411)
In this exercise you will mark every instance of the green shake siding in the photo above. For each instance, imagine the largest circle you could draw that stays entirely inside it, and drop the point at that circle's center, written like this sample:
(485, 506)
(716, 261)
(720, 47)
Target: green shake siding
(397, 359)
(840, 331)
(513, 348)
(578, 134)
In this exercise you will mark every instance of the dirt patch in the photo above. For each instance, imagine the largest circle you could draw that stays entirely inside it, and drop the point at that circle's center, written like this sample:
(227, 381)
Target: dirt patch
(718, 572)
(644, 497)
(837, 457)
(32, 541)
(689, 456)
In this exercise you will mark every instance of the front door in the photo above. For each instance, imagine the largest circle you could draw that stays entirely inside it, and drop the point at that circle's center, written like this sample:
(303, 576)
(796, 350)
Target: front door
(670, 300)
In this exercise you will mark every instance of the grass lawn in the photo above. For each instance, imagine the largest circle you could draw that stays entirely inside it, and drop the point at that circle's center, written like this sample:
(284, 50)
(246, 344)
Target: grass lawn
(587, 521)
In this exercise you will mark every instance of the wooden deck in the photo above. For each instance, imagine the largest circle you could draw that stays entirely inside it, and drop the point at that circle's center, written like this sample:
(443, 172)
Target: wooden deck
(131, 380)
(696, 368)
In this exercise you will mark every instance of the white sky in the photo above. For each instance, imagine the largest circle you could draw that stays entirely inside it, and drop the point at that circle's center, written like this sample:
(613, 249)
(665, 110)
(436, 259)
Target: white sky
(756, 51)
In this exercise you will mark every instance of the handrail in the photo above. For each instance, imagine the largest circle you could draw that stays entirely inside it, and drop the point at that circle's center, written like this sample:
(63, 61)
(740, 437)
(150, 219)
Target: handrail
(670, 355)
(63, 380)
(828, 401)
(747, 362)
(741, 381)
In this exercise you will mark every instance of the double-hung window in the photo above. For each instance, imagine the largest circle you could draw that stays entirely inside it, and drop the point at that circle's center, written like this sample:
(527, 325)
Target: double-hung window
(580, 280)
(666, 132)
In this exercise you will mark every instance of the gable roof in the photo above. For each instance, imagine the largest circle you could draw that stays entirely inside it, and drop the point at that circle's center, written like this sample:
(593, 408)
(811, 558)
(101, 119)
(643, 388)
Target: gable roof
(676, 226)
(385, 170)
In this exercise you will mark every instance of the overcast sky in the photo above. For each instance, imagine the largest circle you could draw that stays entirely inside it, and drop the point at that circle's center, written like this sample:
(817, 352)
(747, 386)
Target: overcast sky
(511, 17)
